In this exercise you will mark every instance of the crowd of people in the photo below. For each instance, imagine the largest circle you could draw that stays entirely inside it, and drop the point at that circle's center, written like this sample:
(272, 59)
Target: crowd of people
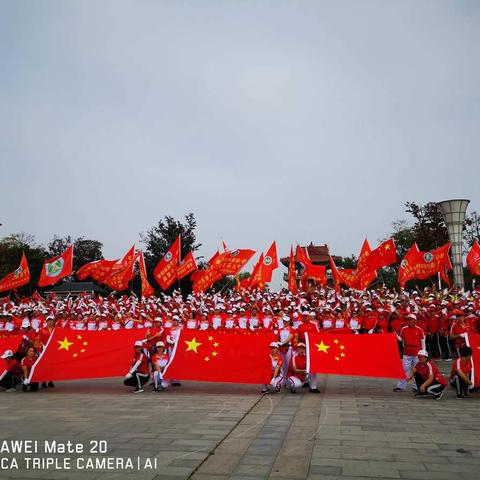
(430, 324)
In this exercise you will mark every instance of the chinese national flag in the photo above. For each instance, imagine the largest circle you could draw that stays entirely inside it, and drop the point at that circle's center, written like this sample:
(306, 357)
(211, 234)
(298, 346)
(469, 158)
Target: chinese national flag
(10, 342)
(98, 270)
(317, 273)
(21, 276)
(382, 256)
(122, 272)
(213, 356)
(292, 273)
(165, 272)
(56, 268)
(365, 355)
(147, 289)
(473, 259)
(255, 279)
(473, 341)
(76, 354)
(187, 266)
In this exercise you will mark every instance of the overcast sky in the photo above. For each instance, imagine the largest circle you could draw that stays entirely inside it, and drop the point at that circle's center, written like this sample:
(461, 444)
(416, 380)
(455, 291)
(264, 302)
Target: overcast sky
(291, 120)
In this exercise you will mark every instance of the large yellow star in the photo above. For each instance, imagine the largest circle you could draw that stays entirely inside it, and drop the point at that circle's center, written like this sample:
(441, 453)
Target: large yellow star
(64, 344)
(192, 345)
(322, 347)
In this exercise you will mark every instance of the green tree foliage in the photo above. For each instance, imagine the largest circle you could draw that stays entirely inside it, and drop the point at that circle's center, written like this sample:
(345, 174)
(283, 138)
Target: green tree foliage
(84, 251)
(159, 238)
(472, 230)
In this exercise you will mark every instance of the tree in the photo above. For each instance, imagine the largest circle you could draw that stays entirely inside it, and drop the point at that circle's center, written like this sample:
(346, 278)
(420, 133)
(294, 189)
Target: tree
(84, 250)
(472, 230)
(348, 262)
(160, 237)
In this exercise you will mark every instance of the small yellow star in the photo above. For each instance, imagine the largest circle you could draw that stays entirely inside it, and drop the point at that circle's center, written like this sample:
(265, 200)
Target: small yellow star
(337, 358)
(82, 350)
(207, 359)
(342, 347)
(335, 342)
(85, 343)
(64, 344)
(210, 338)
(322, 347)
(75, 355)
(192, 345)
(342, 354)
(216, 344)
(214, 354)
(79, 337)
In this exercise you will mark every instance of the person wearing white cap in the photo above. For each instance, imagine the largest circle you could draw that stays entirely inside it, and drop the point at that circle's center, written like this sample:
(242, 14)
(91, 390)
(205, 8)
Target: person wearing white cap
(413, 340)
(276, 379)
(12, 374)
(139, 373)
(159, 362)
(172, 336)
(430, 382)
(297, 368)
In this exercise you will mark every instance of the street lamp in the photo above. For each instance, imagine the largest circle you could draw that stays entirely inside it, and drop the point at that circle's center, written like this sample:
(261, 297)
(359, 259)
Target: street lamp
(453, 212)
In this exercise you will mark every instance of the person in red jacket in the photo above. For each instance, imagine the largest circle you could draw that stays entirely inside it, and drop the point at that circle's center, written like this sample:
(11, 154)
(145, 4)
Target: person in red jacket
(430, 382)
(461, 376)
(12, 374)
(27, 364)
(297, 369)
(139, 373)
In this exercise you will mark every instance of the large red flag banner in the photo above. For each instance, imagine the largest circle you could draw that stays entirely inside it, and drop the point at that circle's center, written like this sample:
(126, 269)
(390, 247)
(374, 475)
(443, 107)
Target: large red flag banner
(165, 272)
(270, 263)
(98, 270)
(373, 355)
(21, 276)
(292, 273)
(213, 356)
(382, 256)
(473, 259)
(255, 279)
(56, 268)
(364, 275)
(77, 354)
(422, 265)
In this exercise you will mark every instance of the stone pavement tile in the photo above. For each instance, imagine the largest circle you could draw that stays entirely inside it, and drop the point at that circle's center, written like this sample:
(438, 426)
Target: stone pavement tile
(252, 470)
(324, 470)
(233, 445)
(412, 475)
(219, 464)
(209, 476)
(257, 460)
(371, 472)
(453, 468)
(290, 467)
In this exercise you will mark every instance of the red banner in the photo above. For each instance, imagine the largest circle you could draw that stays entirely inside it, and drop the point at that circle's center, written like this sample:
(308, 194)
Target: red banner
(57, 268)
(213, 356)
(187, 266)
(165, 272)
(21, 276)
(147, 289)
(77, 354)
(473, 259)
(366, 355)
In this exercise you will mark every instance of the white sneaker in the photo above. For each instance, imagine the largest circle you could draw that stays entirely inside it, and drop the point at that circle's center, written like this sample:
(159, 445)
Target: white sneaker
(10, 390)
(138, 391)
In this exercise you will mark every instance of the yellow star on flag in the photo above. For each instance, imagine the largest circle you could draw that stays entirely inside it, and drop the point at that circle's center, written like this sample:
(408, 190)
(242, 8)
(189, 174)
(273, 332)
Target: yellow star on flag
(79, 337)
(64, 344)
(192, 345)
(322, 347)
(335, 341)
(216, 344)
(85, 343)
(210, 338)
(75, 355)
(214, 354)
(207, 359)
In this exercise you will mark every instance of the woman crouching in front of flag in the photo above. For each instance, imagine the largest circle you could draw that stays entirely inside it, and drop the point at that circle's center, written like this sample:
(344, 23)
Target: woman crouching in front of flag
(276, 380)
(139, 374)
(159, 362)
(297, 369)
(430, 382)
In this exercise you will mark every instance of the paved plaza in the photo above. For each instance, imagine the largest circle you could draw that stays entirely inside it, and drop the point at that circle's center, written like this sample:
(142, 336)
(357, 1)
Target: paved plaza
(356, 428)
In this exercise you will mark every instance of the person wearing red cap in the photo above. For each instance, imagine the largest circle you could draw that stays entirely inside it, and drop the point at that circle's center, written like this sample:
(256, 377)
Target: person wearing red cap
(413, 340)
(139, 373)
(430, 382)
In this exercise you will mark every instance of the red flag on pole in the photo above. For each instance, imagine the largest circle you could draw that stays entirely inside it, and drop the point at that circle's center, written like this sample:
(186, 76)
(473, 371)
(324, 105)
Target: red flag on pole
(21, 276)
(213, 356)
(364, 274)
(473, 259)
(165, 272)
(473, 341)
(57, 268)
(122, 272)
(270, 263)
(382, 256)
(147, 289)
(373, 355)
(77, 354)
(98, 270)
(292, 273)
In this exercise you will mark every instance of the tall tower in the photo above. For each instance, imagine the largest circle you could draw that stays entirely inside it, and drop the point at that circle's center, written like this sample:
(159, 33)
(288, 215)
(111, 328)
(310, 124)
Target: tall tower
(453, 212)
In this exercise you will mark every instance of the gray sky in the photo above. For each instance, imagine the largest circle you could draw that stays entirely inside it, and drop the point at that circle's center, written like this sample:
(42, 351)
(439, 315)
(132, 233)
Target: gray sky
(292, 120)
